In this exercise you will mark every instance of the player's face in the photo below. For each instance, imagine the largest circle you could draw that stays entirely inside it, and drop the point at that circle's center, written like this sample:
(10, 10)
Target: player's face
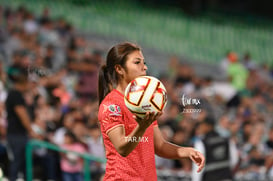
(135, 66)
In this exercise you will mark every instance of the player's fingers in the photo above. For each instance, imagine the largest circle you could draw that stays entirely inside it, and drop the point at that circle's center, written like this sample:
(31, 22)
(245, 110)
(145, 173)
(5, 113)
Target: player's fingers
(200, 168)
(139, 119)
(192, 157)
(158, 114)
(197, 158)
(147, 116)
(202, 161)
(153, 117)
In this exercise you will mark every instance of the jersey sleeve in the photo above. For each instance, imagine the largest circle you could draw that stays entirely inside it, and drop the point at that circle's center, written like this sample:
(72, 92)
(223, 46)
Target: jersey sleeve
(110, 117)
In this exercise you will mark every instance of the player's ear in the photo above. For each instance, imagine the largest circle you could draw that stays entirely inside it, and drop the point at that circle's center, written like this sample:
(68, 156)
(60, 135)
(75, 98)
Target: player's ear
(119, 69)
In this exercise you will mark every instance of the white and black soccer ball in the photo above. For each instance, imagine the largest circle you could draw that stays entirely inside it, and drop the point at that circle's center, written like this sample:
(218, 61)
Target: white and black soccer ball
(145, 94)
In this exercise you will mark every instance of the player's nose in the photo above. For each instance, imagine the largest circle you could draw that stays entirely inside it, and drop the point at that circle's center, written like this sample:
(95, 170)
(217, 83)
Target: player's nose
(145, 67)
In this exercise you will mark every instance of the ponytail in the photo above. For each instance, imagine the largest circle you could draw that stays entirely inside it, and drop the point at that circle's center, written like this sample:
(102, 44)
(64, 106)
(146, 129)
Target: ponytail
(108, 77)
(105, 84)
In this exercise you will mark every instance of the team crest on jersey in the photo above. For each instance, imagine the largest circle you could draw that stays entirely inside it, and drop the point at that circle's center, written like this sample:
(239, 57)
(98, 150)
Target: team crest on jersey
(114, 110)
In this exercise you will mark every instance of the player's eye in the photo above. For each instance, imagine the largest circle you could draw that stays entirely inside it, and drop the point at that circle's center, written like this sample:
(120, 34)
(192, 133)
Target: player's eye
(137, 62)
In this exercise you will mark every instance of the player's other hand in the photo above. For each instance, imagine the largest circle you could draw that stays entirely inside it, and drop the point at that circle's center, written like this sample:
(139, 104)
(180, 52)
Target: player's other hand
(149, 118)
(197, 157)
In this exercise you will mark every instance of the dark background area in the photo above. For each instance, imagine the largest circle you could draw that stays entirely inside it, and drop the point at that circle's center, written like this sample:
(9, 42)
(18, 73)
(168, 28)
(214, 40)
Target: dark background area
(263, 8)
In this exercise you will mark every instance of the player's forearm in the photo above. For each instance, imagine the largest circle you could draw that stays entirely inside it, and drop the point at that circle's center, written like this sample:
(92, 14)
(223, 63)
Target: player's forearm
(172, 151)
(129, 142)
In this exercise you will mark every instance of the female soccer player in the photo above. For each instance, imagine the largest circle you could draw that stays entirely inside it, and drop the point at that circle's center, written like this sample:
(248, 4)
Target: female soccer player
(130, 142)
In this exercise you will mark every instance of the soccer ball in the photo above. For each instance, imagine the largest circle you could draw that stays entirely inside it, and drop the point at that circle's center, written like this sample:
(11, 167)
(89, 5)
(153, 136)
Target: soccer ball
(145, 94)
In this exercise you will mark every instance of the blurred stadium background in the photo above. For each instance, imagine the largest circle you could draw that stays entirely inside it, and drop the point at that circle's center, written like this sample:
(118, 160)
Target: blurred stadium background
(184, 42)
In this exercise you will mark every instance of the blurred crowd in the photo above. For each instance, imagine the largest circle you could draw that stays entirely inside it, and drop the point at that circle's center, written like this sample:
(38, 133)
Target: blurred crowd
(241, 103)
(62, 99)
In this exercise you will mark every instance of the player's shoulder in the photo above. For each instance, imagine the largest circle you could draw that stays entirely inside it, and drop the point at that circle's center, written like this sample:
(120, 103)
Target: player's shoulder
(111, 104)
(113, 98)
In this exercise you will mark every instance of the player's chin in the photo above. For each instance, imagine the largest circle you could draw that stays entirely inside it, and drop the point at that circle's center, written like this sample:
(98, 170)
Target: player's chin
(144, 74)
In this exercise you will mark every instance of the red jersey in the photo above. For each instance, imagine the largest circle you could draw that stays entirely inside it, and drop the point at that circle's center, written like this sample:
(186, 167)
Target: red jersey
(139, 165)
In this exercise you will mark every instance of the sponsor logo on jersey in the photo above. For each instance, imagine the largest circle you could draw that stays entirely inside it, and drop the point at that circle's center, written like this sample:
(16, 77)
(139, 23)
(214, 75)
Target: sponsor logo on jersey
(114, 110)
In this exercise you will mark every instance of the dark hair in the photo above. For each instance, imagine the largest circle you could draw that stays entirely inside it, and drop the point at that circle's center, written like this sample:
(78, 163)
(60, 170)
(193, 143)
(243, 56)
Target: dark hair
(108, 77)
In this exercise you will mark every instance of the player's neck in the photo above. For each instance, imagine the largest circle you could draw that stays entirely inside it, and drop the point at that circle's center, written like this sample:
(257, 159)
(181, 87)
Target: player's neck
(121, 87)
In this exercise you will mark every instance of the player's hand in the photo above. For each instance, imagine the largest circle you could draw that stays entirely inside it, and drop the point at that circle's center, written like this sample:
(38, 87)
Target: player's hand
(197, 157)
(149, 118)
